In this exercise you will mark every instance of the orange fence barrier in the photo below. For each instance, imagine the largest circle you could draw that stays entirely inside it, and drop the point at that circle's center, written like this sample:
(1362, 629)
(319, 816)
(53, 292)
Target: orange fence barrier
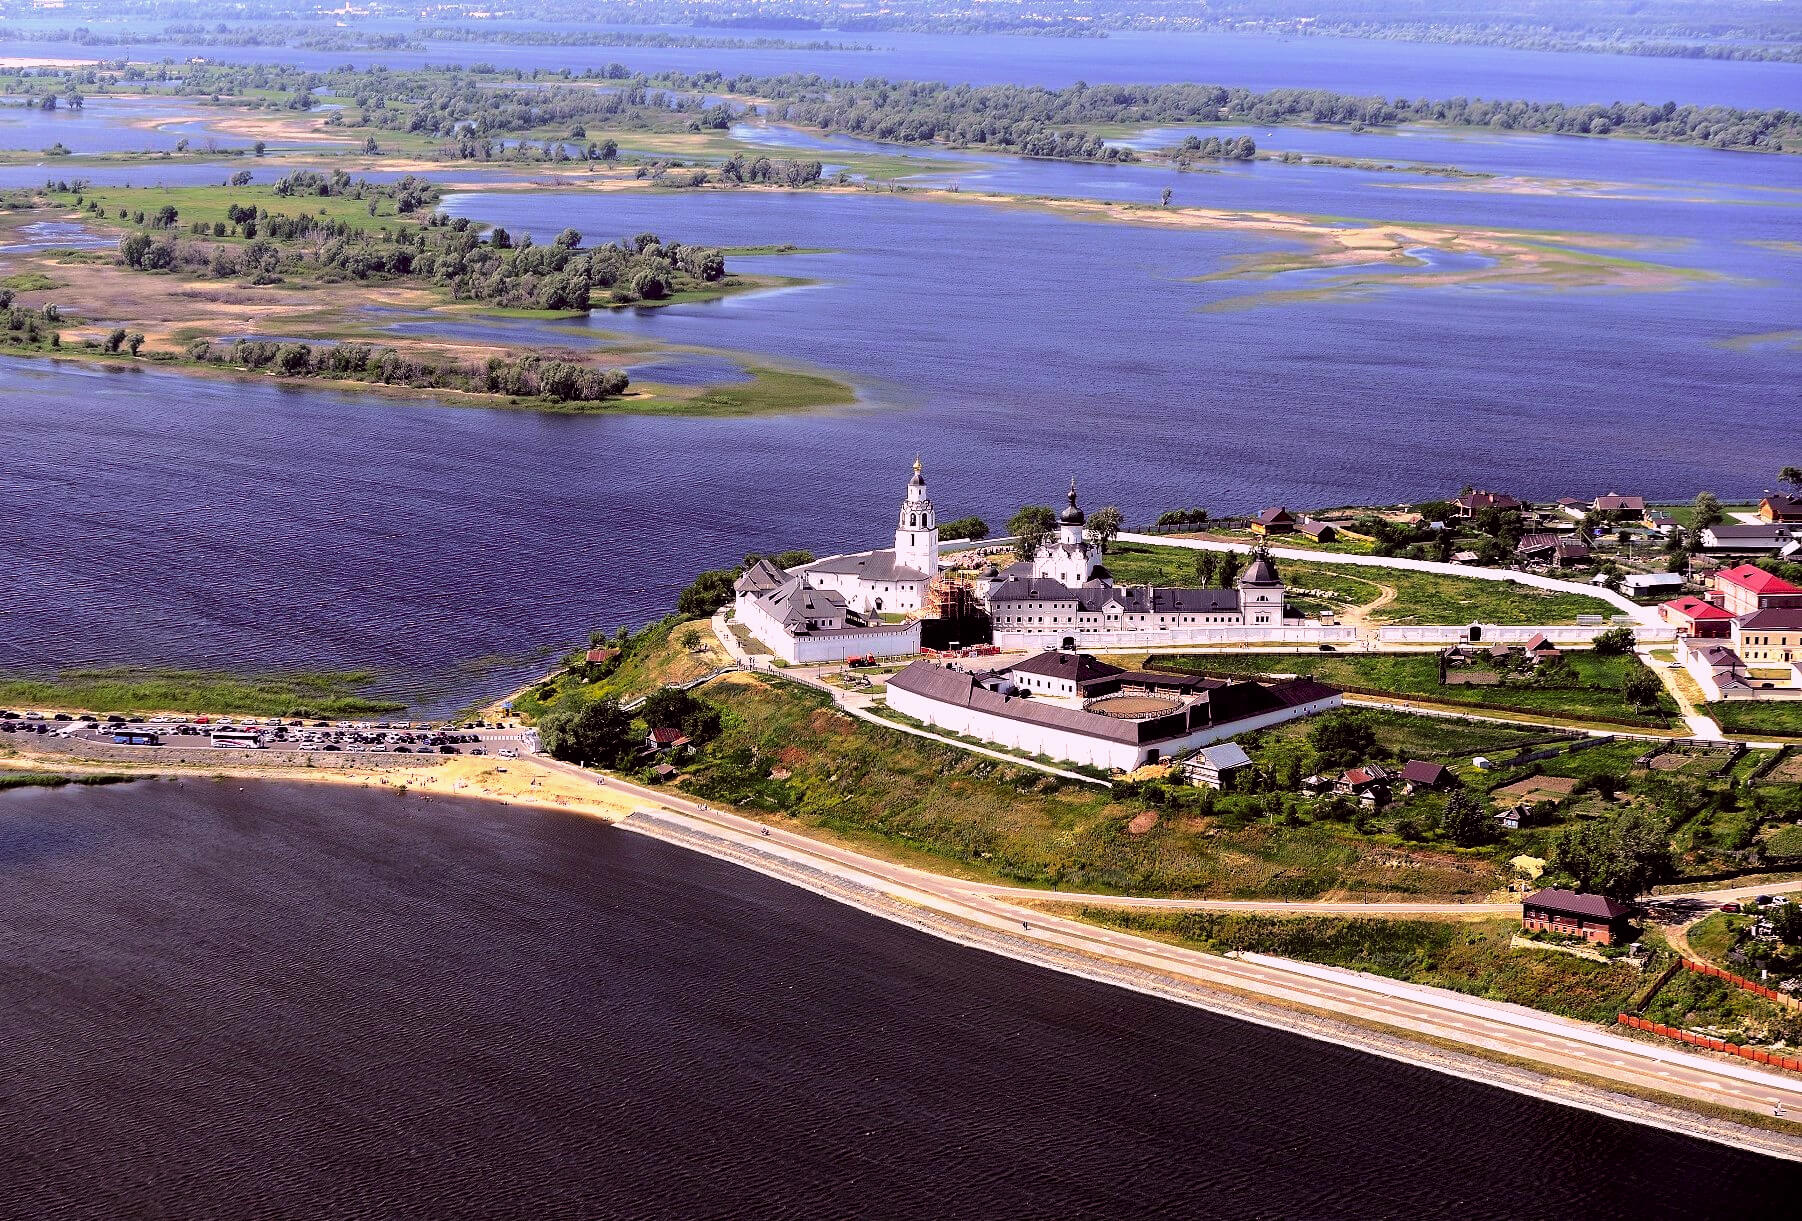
(1793, 1063)
(1703, 968)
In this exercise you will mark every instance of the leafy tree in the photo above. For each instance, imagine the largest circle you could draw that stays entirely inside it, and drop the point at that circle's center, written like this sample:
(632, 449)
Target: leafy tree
(1165, 200)
(1786, 922)
(673, 709)
(1642, 688)
(1207, 567)
(116, 339)
(1621, 857)
(592, 733)
(1031, 526)
(1341, 740)
(1465, 820)
(689, 639)
(134, 341)
(1707, 511)
(707, 592)
(1615, 642)
(1230, 564)
(972, 528)
(1104, 525)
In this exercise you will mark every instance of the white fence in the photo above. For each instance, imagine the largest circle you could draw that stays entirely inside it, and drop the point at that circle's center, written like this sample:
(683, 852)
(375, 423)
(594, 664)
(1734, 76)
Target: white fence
(1426, 633)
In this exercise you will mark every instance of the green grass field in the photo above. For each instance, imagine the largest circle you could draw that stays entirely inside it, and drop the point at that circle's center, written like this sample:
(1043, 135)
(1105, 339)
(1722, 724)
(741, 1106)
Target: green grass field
(210, 204)
(1420, 597)
(1754, 718)
(1595, 692)
(127, 689)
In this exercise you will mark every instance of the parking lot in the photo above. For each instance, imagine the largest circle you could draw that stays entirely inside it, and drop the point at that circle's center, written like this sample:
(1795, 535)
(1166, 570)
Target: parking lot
(290, 734)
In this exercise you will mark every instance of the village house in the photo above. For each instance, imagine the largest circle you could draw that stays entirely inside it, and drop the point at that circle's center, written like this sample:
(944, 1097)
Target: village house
(1692, 616)
(1216, 767)
(1594, 918)
(1474, 502)
(1746, 588)
(663, 739)
(1769, 538)
(1552, 550)
(1779, 507)
(1368, 784)
(1273, 521)
(1651, 584)
(1420, 776)
(1319, 531)
(1616, 506)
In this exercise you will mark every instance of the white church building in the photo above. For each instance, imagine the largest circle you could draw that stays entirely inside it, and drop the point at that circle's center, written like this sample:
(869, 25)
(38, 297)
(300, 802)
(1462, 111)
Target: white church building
(844, 606)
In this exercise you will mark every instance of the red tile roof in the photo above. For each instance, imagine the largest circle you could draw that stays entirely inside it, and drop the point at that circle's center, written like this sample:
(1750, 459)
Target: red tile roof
(1692, 607)
(1756, 579)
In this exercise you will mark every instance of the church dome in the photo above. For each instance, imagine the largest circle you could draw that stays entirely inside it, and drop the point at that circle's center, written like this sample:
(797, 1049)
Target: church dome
(1261, 572)
(1071, 516)
(919, 479)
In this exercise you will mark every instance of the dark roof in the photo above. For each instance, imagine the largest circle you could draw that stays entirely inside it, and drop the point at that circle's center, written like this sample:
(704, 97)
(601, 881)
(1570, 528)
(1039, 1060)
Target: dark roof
(1418, 771)
(1077, 667)
(1318, 528)
(1614, 501)
(1232, 702)
(794, 603)
(1571, 903)
(1261, 572)
(1271, 517)
(1071, 516)
(1783, 502)
(759, 578)
(871, 566)
(1773, 619)
(1474, 501)
(1763, 530)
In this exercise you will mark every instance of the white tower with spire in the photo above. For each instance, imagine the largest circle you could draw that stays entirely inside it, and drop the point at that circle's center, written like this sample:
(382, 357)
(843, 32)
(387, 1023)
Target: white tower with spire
(917, 531)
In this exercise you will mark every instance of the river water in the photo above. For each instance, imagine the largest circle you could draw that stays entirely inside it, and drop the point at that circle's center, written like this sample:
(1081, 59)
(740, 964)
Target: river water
(1390, 69)
(228, 999)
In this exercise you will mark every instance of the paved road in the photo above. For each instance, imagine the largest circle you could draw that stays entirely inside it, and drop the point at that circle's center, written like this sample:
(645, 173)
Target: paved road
(1466, 1021)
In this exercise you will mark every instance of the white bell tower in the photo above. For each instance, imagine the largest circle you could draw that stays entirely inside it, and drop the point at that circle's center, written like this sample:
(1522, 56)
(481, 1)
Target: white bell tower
(917, 531)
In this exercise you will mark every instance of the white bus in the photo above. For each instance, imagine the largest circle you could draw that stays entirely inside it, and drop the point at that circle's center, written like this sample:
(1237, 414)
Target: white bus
(237, 737)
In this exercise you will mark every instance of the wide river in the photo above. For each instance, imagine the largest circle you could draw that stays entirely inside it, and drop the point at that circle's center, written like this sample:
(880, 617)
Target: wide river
(225, 999)
(168, 521)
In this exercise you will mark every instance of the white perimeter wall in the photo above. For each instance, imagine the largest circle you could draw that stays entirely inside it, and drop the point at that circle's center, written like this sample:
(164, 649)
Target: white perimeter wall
(1491, 634)
(1050, 637)
(1079, 748)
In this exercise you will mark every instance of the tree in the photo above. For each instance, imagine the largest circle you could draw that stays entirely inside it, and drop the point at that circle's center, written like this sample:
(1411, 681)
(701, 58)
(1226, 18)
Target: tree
(1792, 475)
(1642, 689)
(1230, 564)
(1341, 740)
(1031, 526)
(134, 341)
(1465, 820)
(1621, 857)
(1207, 566)
(1707, 511)
(1166, 197)
(591, 733)
(669, 708)
(707, 592)
(1786, 922)
(689, 639)
(972, 528)
(116, 339)
(1615, 642)
(1104, 525)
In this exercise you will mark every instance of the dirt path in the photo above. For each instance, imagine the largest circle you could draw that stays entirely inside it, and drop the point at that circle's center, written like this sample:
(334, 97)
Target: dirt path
(1359, 616)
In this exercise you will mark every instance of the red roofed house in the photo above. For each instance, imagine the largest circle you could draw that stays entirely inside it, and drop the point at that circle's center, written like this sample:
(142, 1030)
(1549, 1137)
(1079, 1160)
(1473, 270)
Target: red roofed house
(1369, 784)
(1694, 617)
(665, 739)
(1745, 588)
(1594, 918)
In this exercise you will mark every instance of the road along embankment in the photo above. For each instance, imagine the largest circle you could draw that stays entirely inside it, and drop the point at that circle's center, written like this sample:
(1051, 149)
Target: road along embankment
(1534, 1055)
